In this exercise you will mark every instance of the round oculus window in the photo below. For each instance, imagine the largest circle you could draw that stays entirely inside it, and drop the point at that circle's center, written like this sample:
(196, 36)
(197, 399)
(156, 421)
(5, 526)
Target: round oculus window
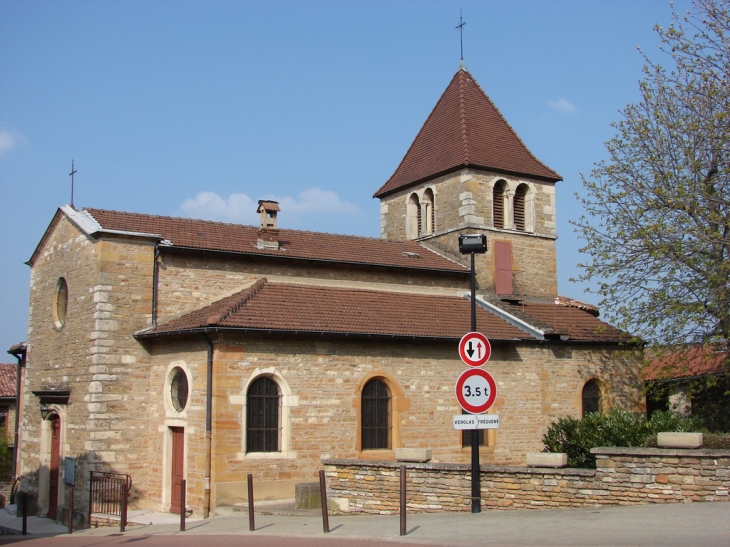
(179, 389)
(60, 303)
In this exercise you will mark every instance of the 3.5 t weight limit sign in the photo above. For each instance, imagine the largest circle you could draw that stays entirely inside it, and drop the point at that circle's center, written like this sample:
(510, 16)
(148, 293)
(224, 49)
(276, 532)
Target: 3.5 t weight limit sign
(474, 349)
(476, 390)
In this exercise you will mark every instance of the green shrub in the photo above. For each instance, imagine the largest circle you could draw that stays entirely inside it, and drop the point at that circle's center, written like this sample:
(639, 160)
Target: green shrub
(6, 459)
(716, 441)
(617, 428)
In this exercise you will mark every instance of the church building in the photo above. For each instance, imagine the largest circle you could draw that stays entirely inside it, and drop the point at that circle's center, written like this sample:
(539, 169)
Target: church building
(172, 348)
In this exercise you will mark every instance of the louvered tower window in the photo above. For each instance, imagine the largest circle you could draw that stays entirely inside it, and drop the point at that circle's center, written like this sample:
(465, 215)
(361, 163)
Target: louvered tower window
(262, 416)
(498, 205)
(519, 206)
(375, 415)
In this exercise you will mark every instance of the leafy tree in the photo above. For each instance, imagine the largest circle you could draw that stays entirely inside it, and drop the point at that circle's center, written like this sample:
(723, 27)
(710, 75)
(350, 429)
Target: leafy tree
(658, 209)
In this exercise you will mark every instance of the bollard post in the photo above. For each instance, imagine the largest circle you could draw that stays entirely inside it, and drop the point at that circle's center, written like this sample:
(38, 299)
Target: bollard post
(403, 500)
(71, 510)
(183, 503)
(323, 497)
(251, 523)
(24, 508)
(123, 519)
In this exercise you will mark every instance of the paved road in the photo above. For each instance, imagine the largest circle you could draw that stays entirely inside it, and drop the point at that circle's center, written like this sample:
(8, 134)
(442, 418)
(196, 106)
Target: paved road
(698, 524)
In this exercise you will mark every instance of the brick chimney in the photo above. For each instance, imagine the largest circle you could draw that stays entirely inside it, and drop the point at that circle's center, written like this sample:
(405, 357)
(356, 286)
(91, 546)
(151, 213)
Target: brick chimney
(268, 232)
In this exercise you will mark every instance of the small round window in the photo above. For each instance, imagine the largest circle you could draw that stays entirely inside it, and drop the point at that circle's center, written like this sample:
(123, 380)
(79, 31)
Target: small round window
(179, 389)
(60, 303)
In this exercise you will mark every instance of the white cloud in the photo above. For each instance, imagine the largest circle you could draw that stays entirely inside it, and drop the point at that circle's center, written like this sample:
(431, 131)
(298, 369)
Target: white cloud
(237, 208)
(314, 201)
(299, 211)
(10, 138)
(562, 105)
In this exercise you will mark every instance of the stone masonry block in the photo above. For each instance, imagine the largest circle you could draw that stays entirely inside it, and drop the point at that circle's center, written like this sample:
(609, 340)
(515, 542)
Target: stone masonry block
(546, 459)
(413, 454)
(679, 440)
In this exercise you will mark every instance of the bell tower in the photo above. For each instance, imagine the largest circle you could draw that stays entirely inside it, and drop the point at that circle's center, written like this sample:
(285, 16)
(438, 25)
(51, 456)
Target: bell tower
(467, 171)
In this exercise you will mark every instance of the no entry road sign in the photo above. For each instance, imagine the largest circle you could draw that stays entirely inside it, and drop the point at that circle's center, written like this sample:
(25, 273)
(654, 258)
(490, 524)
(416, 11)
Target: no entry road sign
(474, 349)
(476, 390)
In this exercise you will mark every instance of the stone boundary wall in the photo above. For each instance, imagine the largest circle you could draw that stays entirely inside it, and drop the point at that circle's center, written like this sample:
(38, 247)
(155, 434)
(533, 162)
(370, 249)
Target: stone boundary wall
(624, 476)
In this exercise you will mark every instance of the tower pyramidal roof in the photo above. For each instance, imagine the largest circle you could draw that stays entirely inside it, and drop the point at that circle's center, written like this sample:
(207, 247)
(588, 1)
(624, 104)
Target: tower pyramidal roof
(465, 129)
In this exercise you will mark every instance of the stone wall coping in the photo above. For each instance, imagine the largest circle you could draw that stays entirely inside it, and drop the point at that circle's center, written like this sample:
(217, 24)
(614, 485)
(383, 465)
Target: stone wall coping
(462, 467)
(658, 452)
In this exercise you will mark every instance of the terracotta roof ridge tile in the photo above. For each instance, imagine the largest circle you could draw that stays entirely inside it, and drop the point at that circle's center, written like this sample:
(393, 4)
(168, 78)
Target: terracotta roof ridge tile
(236, 302)
(163, 217)
(238, 225)
(462, 115)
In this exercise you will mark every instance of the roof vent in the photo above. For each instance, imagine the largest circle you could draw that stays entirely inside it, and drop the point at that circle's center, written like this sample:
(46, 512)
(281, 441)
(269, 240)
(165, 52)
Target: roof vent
(409, 254)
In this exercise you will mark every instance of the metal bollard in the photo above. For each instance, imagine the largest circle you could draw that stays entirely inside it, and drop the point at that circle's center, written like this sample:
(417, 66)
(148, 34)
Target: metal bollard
(403, 500)
(24, 508)
(183, 489)
(71, 510)
(251, 523)
(323, 497)
(123, 519)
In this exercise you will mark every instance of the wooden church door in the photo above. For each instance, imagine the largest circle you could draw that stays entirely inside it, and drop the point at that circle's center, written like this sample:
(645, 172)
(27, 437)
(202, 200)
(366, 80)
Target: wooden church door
(178, 458)
(55, 457)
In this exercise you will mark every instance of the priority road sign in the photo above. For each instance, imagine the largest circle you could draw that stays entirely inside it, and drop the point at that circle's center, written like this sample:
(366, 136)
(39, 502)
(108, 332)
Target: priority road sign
(476, 390)
(474, 349)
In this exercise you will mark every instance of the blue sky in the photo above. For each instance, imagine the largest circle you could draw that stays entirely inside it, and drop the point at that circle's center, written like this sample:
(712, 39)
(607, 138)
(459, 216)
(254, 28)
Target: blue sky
(200, 108)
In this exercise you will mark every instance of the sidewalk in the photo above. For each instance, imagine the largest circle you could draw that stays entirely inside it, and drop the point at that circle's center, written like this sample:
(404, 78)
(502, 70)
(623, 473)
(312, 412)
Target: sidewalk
(672, 525)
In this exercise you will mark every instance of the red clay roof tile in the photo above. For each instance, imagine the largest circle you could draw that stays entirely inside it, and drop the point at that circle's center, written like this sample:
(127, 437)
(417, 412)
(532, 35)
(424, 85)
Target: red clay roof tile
(576, 324)
(219, 236)
(465, 129)
(8, 374)
(317, 309)
(689, 362)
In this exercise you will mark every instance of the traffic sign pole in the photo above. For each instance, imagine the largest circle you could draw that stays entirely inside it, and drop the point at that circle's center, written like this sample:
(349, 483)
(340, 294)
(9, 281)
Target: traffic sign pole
(476, 483)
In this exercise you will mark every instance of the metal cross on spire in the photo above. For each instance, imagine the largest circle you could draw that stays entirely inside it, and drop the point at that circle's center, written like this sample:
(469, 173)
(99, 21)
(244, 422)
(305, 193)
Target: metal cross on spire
(460, 28)
(71, 174)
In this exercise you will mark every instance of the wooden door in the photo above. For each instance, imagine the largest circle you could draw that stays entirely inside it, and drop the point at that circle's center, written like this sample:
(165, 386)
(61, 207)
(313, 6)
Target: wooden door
(178, 459)
(55, 456)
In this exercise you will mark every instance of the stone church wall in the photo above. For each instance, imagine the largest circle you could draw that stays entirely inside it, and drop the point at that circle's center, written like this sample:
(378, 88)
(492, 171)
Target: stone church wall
(93, 355)
(321, 381)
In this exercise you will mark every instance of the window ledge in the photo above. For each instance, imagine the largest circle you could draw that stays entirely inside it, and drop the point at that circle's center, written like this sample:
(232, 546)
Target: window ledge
(377, 454)
(289, 455)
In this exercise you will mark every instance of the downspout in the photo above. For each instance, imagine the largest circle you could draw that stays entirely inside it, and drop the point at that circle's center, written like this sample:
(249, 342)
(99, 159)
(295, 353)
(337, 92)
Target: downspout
(20, 355)
(155, 277)
(208, 424)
